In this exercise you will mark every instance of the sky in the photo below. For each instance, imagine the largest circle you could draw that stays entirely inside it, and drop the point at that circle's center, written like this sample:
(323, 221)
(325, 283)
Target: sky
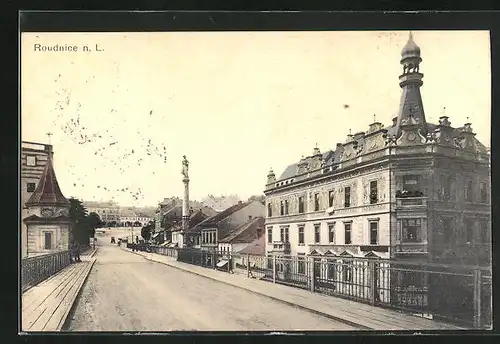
(235, 103)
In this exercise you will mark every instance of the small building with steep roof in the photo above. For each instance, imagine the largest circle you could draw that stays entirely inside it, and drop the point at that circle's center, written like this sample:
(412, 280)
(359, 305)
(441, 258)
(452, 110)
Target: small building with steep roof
(47, 215)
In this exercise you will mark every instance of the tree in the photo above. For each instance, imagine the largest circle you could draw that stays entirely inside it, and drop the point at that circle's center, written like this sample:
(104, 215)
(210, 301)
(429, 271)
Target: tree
(77, 213)
(93, 221)
(147, 230)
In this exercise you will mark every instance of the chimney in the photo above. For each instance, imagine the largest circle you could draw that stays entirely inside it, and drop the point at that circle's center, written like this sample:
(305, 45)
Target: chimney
(394, 121)
(240, 202)
(249, 217)
(339, 144)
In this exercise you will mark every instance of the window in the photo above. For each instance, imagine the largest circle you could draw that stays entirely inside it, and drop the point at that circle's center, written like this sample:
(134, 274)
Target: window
(483, 193)
(330, 198)
(269, 235)
(347, 271)
(282, 208)
(469, 230)
(411, 183)
(282, 234)
(31, 160)
(286, 207)
(48, 241)
(269, 210)
(373, 192)
(411, 230)
(347, 196)
(331, 233)
(412, 278)
(468, 191)
(483, 231)
(316, 202)
(30, 187)
(373, 232)
(332, 271)
(347, 233)
(287, 235)
(446, 187)
(317, 236)
(301, 265)
(301, 204)
(301, 234)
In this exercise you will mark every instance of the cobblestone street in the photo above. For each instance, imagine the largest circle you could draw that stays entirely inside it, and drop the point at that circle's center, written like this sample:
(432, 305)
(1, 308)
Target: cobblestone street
(125, 292)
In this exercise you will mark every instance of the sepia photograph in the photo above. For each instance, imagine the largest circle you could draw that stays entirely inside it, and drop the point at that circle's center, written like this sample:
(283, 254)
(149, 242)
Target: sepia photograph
(265, 181)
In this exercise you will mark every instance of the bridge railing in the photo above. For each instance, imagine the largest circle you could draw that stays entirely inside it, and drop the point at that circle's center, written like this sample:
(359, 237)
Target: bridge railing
(458, 294)
(37, 269)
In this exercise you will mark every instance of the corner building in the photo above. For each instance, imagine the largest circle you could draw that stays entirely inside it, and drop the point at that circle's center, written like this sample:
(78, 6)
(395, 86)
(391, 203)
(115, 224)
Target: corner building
(412, 190)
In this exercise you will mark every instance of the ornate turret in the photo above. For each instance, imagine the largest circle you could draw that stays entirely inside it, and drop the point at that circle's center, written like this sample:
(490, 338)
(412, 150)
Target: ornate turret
(271, 177)
(411, 121)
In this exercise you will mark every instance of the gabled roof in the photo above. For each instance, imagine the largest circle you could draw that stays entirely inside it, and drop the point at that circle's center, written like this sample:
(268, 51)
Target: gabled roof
(330, 253)
(48, 191)
(214, 220)
(246, 233)
(258, 246)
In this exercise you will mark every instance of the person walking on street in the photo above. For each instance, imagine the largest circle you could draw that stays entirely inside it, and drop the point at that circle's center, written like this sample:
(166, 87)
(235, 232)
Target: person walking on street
(71, 253)
(77, 253)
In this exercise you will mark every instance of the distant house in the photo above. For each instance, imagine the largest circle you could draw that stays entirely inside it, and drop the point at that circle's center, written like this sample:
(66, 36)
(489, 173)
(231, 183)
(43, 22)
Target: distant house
(243, 236)
(174, 232)
(211, 230)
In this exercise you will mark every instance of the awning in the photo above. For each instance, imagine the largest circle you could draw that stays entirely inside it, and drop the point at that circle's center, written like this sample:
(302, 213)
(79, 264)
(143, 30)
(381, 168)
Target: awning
(222, 263)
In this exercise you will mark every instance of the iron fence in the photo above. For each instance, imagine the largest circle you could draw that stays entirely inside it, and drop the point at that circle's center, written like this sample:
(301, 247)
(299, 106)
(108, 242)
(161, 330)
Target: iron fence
(457, 294)
(37, 269)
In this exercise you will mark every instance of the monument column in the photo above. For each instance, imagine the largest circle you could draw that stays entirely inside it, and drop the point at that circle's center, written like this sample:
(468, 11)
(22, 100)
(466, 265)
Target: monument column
(185, 202)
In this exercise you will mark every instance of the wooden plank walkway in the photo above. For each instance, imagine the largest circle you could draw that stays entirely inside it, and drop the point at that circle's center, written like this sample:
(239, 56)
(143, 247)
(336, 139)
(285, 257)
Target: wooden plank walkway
(46, 306)
(364, 316)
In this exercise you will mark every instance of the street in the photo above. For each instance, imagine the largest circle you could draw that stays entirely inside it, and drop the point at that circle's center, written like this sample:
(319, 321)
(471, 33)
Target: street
(125, 292)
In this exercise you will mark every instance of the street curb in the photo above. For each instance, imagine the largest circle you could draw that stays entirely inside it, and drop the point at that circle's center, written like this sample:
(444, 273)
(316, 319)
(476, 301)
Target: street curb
(93, 253)
(65, 318)
(314, 311)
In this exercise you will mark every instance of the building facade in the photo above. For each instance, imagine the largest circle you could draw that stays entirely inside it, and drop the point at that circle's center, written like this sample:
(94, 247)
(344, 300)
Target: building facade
(412, 190)
(108, 211)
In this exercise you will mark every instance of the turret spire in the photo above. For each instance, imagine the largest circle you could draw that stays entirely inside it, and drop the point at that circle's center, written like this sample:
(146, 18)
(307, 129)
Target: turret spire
(411, 110)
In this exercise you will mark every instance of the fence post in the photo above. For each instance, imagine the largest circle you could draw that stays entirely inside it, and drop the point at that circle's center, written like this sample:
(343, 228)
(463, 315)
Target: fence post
(312, 278)
(274, 269)
(477, 298)
(373, 282)
(248, 265)
(229, 262)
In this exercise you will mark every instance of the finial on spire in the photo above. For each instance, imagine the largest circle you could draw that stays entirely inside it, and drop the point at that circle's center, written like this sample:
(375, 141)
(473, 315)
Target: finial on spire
(49, 134)
(350, 133)
(374, 118)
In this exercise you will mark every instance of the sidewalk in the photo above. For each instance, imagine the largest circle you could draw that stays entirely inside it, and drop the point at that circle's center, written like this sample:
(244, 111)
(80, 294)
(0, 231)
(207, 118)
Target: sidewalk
(362, 316)
(46, 306)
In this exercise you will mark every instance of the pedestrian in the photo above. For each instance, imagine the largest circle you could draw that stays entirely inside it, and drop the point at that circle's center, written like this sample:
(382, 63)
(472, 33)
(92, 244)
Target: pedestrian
(77, 253)
(71, 253)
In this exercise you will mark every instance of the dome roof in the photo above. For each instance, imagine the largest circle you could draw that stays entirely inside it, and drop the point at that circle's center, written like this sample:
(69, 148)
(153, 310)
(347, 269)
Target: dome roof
(411, 49)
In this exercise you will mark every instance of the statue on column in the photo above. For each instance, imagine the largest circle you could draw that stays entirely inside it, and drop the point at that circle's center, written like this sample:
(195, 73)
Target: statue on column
(185, 167)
